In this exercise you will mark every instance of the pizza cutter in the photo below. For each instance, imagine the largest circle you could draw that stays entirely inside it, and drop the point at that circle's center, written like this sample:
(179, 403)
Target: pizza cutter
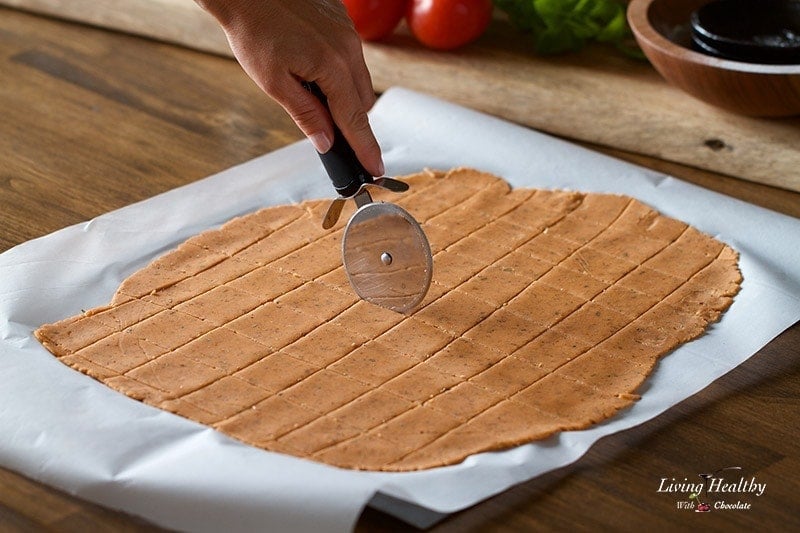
(386, 254)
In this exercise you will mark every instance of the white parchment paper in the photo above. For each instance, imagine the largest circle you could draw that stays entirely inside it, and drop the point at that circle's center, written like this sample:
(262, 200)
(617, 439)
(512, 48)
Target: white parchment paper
(67, 430)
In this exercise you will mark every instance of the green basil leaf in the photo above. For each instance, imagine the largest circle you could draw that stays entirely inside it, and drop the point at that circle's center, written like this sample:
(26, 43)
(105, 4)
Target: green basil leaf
(565, 25)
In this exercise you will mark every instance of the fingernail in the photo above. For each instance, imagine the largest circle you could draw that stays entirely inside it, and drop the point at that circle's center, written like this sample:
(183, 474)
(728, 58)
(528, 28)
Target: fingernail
(381, 168)
(321, 142)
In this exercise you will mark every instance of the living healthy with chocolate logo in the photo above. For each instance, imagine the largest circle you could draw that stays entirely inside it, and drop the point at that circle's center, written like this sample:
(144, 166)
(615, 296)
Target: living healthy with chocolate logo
(724, 489)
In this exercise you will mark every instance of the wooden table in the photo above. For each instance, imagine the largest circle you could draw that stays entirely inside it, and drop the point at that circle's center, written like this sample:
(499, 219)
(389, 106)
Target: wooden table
(92, 120)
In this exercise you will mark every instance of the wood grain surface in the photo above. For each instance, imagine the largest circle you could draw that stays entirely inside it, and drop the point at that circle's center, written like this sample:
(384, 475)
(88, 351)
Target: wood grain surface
(596, 96)
(93, 120)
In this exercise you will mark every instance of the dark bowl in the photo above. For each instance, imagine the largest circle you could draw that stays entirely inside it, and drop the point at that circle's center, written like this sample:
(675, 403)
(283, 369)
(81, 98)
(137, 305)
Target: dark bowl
(663, 30)
(753, 31)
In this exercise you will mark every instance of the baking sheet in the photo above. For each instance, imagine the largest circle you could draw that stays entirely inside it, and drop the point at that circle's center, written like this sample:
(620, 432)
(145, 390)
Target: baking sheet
(67, 430)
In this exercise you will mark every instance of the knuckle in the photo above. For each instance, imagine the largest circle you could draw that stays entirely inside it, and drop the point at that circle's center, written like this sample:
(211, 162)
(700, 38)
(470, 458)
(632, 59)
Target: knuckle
(353, 45)
(358, 120)
(338, 63)
(305, 117)
(272, 86)
(272, 81)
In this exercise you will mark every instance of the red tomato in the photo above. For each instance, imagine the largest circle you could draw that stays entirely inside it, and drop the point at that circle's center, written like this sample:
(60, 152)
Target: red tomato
(375, 19)
(448, 24)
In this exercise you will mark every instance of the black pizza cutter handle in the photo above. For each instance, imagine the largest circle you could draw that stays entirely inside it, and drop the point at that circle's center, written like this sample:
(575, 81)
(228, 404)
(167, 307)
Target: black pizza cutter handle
(340, 162)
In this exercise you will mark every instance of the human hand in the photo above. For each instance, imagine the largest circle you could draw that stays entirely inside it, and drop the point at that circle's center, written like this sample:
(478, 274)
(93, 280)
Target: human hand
(280, 43)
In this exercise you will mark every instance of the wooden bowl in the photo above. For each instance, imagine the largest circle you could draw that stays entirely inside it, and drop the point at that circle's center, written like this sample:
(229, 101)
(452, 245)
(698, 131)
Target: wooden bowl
(662, 29)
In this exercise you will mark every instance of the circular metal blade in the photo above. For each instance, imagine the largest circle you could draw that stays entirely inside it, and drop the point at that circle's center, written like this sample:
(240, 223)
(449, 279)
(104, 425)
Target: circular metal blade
(387, 256)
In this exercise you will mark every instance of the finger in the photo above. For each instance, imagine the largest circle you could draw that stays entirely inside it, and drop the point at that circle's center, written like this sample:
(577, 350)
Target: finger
(361, 77)
(363, 83)
(351, 116)
(306, 111)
